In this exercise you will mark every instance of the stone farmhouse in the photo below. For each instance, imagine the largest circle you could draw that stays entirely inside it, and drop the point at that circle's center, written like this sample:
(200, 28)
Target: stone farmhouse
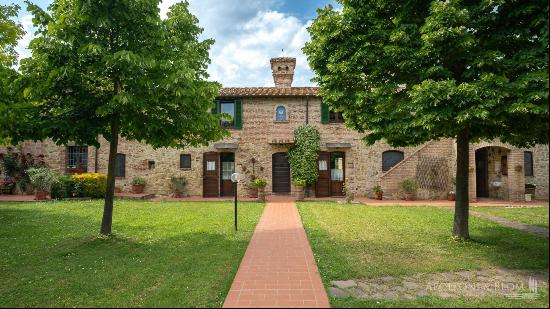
(262, 132)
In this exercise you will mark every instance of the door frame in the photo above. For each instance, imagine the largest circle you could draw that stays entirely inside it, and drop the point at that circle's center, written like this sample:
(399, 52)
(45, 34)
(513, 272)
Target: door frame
(329, 179)
(222, 191)
(273, 155)
(482, 154)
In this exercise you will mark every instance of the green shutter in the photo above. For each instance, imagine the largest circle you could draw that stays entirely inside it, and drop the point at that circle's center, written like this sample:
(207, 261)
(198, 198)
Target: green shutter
(214, 109)
(238, 114)
(324, 113)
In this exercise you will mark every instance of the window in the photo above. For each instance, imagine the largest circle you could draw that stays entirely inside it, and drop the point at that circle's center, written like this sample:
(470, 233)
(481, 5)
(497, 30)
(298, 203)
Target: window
(185, 161)
(280, 114)
(151, 164)
(77, 157)
(336, 117)
(336, 166)
(323, 165)
(120, 165)
(390, 158)
(504, 165)
(210, 165)
(228, 107)
(528, 163)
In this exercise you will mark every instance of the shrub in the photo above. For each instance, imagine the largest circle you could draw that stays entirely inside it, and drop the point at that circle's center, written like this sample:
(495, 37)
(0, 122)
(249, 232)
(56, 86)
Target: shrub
(63, 188)
(138, 181)
(178, 184)
(303, 155)
(42, 178)
(299, 182)
(260, 182)
(408, 186)
(90, 185)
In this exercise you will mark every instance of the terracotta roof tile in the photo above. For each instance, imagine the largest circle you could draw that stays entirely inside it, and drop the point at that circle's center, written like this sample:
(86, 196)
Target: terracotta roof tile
(269, 92)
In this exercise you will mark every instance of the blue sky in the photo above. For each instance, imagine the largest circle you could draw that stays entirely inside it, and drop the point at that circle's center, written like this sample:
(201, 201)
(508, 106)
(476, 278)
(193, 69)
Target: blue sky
(247, 34)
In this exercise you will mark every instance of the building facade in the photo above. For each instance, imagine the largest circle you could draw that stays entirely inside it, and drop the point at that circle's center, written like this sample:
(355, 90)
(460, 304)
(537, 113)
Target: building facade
(261, 128)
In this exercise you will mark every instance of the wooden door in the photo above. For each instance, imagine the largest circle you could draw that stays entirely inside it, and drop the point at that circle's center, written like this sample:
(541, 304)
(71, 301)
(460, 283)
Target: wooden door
(337, 173)
(482, 185)
(211, 174)
(280, 173)
(322, 187)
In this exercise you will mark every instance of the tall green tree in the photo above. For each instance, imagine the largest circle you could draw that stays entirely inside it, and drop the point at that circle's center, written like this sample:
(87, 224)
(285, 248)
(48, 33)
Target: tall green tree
(115, 68)
(413, 71)
(10, 33)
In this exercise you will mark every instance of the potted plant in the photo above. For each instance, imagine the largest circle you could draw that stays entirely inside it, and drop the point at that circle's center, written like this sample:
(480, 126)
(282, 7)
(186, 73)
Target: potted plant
(451, 196)
(178, 184)
(350, 196)
(138, 185)
(260, 184)
(299, 184)
(252, 189)
(42, 180)
(377, 192)
(409, 187)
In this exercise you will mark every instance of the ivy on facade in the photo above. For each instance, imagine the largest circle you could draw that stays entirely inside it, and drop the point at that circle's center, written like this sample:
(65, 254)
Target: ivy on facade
(303, 155)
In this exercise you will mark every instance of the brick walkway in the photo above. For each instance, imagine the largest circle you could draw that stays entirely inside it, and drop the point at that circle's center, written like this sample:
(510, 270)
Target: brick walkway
(278, 269)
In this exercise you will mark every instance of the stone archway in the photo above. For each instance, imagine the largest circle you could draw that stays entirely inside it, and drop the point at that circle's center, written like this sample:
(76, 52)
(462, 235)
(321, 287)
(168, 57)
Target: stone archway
(496, 172)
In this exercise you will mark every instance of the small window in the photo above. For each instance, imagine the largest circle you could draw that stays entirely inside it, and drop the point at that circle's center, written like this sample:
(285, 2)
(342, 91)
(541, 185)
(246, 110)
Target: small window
(280, 114)
(120, 165)
(528, 163)
(77, 157)
(336, 117)
(185, 161)
(390, 158)
(210, 165)
(504, 165)
(323, 166)
(151, 165)
(228, 107)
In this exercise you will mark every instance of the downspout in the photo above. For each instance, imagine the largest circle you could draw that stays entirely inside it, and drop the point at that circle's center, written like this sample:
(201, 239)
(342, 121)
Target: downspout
(307, 109)
(96, 154)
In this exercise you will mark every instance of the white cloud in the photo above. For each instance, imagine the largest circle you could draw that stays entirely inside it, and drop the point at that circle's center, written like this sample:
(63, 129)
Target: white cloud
(247, 33)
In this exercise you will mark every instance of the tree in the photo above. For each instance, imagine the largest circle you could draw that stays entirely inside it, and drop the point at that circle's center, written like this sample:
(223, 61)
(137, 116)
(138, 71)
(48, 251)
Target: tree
(414, 71)
(10, 33)
(115, 68)
(304, 154)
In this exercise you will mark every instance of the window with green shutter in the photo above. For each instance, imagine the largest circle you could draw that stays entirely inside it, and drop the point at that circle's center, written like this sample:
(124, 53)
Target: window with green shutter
(238, 114)
(324, 113)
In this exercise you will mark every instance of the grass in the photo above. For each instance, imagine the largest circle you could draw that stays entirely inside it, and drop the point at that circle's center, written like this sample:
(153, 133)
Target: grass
(357, 241)
(162, 255)
(531, 215)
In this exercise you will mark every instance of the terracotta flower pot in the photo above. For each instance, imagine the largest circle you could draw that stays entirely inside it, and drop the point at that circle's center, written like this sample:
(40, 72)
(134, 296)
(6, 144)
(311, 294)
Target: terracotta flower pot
(138, 188)
(409, 196)
(378, 195)
(451, 196)
(252, 192)
(41, 195)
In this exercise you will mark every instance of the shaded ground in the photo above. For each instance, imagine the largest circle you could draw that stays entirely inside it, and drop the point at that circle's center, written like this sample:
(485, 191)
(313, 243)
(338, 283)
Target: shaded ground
(163, 254)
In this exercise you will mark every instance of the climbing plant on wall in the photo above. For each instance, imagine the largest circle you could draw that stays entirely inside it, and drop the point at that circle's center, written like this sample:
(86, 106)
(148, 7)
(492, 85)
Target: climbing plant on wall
(303, 155)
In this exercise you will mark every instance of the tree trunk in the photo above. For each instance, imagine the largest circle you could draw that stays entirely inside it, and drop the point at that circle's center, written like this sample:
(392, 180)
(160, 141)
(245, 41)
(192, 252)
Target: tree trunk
(107, 221)
(460, 228)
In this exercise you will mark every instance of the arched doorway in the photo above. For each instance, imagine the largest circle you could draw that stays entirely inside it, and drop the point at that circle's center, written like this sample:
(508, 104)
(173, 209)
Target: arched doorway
(492, 170)
(280, 173)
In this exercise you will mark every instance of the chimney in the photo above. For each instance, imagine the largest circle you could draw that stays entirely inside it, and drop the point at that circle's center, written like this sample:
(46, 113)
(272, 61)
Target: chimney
(283, 71)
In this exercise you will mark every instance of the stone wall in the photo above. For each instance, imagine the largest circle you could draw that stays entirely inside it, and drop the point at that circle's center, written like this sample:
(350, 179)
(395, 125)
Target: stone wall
(261, 136)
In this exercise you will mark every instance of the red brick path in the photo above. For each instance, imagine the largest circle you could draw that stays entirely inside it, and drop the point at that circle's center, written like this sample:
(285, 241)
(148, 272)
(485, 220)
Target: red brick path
(278, 269)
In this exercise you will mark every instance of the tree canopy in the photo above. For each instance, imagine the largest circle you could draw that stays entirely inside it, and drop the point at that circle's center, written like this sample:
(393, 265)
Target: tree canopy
(412, 71)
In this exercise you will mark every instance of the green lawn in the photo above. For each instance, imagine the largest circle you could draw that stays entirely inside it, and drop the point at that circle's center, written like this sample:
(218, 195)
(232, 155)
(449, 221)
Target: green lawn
(163, 254)
(530, 215)
(358, 241)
